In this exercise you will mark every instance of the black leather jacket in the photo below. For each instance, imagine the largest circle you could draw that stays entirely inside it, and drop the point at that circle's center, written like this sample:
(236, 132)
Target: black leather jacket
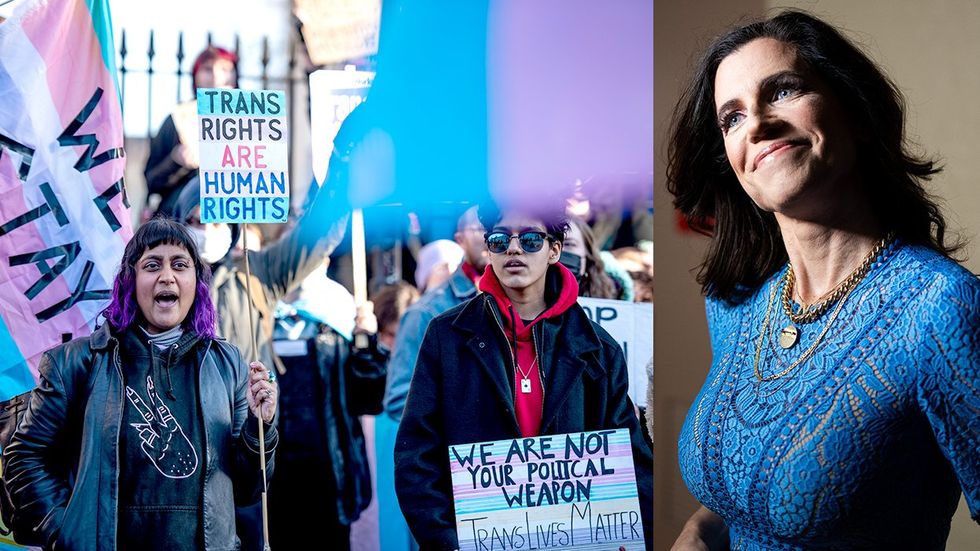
(62, 462)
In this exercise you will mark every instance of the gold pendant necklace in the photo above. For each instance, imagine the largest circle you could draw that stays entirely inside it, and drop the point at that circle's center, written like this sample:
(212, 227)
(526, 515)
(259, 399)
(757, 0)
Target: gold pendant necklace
(806, 354)
(789, 335)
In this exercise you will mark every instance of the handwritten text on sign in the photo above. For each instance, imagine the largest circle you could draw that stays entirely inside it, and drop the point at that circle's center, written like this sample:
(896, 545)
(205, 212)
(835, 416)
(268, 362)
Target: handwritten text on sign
(560, 491)
(244, 155)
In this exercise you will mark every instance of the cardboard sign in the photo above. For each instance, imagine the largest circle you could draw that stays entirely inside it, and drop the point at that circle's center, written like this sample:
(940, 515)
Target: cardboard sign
(568, 491)
(339, 30)
(333, 95)
(631, 324)
(244, 155)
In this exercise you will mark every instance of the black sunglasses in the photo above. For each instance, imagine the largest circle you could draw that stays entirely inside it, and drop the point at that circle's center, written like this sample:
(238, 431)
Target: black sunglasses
(530, 241)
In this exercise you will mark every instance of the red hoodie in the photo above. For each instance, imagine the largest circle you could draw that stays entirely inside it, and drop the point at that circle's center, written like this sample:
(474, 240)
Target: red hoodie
(528, 406)
(471, 272)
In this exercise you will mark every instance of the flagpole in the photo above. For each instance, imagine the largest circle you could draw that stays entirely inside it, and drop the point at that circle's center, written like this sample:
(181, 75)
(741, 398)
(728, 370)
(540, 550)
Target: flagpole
(359, 260)
(255, 355)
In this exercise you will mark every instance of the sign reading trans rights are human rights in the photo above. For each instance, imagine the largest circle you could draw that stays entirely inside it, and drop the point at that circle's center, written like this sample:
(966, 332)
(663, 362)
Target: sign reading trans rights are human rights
(243, 155)
(564, 491)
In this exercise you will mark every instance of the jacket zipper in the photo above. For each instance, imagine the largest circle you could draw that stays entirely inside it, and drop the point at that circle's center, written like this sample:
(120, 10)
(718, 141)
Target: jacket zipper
(207, 440)
(122, 396)
(512, 355)
(537, 353)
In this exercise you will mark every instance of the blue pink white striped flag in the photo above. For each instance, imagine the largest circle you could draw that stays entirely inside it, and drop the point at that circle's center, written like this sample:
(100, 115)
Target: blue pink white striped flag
(64, 217)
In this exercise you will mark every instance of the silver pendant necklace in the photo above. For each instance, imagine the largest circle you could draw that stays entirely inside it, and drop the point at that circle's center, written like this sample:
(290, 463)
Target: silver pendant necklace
(526, 376)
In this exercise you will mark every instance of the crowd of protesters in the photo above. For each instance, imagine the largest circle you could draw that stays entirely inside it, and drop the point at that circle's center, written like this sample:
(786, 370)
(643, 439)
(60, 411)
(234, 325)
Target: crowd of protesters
(321, 383)
(198, 317)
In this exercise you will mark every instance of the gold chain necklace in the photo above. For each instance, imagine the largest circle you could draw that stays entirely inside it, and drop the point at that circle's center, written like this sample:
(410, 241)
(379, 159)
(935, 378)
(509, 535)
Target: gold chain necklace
(790, 334)
(807, 353)
(813, 311)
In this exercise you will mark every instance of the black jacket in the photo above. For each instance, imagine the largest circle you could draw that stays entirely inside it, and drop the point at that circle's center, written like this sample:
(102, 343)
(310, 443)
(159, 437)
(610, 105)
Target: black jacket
(164, 175)
(62, 463)
(352, 384)
(461, 393)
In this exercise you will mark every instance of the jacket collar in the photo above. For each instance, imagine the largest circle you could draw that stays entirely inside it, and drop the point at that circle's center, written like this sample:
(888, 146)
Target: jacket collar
(580, 337)
(460, 284)
(100, 337)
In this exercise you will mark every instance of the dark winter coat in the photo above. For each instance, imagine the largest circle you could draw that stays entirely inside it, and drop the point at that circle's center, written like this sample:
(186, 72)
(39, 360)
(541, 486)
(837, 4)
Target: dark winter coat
(352, 384)
(164, 175)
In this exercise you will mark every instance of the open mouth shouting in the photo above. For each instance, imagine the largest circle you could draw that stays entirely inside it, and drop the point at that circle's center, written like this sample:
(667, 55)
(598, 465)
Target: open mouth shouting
(165, 299)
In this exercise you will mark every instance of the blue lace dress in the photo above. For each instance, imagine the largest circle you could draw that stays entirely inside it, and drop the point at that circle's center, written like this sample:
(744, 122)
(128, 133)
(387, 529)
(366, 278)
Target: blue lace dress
(868, 442)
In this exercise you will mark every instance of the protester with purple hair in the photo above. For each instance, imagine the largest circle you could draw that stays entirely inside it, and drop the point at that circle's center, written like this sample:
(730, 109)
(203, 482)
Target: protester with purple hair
(145, 433)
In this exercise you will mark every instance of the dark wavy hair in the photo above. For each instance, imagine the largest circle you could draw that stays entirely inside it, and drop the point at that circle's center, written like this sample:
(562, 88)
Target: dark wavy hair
(552, 213)
(747, 246)
(124, 310)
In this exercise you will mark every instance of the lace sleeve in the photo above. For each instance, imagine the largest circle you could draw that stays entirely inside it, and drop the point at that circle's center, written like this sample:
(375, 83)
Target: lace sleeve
(949, 383)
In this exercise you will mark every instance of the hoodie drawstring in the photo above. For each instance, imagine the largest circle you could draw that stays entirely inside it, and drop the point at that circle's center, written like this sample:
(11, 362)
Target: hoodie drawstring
(170, 383)
(513, 333)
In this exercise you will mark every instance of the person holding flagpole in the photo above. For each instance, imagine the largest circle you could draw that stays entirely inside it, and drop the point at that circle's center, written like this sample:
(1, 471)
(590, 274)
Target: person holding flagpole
(144, 435)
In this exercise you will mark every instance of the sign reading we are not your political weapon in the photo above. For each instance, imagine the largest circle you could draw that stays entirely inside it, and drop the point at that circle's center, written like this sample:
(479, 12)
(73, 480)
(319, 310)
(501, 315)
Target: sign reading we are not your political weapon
(566, 491)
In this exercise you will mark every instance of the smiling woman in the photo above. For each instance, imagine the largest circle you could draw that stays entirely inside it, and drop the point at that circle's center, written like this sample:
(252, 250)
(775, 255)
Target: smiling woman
(839, 411)
(170, 398)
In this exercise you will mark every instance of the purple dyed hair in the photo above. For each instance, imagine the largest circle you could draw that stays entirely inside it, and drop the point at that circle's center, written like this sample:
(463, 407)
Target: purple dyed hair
(124, 310)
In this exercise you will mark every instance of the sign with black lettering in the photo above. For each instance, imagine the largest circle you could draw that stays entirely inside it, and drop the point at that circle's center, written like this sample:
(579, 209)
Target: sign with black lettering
(244, 155)
(631, 324)
(566, 491)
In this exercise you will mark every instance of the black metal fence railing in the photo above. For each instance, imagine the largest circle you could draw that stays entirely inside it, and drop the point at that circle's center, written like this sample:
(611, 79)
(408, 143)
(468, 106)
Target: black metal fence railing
(182, 71)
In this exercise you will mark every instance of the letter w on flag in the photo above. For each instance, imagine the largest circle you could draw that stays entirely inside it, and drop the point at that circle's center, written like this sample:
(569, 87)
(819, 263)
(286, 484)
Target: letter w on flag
(64, 217)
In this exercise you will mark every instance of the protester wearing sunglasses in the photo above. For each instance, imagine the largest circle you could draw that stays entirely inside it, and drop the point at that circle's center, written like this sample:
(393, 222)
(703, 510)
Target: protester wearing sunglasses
(521, 359)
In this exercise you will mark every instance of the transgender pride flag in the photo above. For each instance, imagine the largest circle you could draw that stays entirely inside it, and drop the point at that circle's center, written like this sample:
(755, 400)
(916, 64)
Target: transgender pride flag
(64, 218)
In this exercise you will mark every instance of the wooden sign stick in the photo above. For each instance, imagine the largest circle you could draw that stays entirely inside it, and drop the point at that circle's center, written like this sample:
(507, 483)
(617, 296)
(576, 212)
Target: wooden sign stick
(255, 356)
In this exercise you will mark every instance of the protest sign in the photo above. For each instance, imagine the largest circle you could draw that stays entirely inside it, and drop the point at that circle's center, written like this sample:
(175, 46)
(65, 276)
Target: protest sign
(570, 491)
(631, 324)
(339, 30)
(333, 95)
(244, 155)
